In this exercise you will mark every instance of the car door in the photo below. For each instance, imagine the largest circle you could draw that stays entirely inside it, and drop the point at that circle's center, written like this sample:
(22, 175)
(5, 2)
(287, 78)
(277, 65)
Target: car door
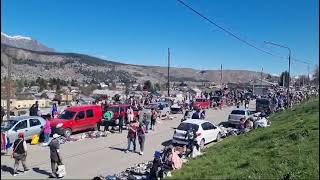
(90, 118)
(80, 121)
(213, 131)
(205, 132)
(35, 126)
(21, 126)
(209, 131)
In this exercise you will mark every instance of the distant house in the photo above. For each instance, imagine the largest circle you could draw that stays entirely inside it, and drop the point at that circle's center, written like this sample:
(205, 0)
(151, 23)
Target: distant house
(103, 85)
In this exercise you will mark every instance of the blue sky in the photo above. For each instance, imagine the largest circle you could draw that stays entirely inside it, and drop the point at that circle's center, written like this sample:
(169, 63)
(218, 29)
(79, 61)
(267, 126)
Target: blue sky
(139, 32)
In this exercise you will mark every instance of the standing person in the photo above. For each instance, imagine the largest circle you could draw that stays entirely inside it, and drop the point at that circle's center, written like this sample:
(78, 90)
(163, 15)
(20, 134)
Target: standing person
(47, 131)
(121, 121)
(147, 121)
(203, 114)
(3, 113)
(33, 110)
(54, 154)
(246, 103)
(19, 153)
(196, 115)
(54, 110)
(132, 136)
(141, 132)
(154, 116)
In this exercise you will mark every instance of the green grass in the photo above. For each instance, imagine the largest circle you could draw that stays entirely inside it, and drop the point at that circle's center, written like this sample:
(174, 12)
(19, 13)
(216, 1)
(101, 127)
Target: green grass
(288, 149)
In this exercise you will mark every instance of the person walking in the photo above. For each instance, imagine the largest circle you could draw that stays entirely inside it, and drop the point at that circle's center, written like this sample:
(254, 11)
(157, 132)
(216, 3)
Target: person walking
(55, 154)
(132, 136)
(47, 131)
(154, 116)
(54, 110)
(141, 132)
(19, 153)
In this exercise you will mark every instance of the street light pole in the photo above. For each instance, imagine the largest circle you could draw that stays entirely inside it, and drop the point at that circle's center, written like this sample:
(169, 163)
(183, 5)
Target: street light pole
(289, 58)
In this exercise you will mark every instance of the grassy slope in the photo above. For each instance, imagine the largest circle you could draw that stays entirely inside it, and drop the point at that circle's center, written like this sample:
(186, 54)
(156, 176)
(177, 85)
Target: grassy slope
(289, 149)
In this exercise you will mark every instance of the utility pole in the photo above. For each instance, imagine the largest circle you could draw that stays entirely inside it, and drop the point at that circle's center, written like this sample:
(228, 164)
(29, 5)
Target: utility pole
(261, 77)
(168, 72)
(288, 90)
(308, 75)
(8, 88)
(221, 76)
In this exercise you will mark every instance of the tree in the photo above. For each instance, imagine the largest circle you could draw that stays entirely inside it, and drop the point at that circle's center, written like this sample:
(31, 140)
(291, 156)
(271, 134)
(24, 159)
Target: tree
(302, 80)
(157, 87)
(127, 90)
(268, 76)
(148, 86)
(139, 88)
(284, 79)
(316, 76)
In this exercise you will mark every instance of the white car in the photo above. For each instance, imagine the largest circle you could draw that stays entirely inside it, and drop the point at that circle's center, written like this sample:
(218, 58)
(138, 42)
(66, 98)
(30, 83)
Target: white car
(205, 130)
(237, 114)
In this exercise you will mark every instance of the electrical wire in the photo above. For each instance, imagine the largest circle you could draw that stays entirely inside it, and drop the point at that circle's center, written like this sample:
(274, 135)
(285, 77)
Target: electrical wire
(235, 36)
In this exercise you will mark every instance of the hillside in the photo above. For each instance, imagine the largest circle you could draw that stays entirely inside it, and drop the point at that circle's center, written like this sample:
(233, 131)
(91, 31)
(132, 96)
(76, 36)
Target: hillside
(32, 64)
(289, 149)
(24, 42)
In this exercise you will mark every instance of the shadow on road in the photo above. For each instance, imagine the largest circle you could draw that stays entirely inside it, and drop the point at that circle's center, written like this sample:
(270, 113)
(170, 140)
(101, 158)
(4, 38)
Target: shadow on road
(40, 171)
(5, 168)
(167, 143)
(119, 149)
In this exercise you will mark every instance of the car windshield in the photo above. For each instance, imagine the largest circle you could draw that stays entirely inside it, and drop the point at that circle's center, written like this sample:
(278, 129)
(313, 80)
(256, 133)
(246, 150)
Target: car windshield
(67, 115)
(113, 109)
(150, 106)
(187, 126)
(6, 125)
(238, 112)
(262, 101)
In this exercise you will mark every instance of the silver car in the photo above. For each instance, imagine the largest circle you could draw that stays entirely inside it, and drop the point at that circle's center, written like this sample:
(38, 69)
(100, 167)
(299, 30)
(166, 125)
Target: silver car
(237, 114)
(29, 125)
(162, 108)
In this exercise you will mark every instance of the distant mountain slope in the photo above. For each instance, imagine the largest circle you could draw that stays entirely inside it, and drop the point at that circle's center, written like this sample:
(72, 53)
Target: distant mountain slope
(32, 64)
(24, 42)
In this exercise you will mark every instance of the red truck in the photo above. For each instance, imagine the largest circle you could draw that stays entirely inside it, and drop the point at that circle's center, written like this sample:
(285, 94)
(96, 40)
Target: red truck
(77, 118)
(201, 103)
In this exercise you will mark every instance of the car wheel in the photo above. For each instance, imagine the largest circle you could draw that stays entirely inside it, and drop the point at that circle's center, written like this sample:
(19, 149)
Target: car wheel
(67, 132)
(218, 137)
(202, 142)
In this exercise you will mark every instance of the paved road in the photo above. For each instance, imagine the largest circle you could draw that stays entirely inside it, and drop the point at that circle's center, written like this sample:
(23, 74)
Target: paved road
(105, 156)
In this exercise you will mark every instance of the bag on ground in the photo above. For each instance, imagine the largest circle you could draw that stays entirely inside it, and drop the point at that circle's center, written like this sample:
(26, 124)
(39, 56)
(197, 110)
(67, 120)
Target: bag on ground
(61, 171)
(35, 139)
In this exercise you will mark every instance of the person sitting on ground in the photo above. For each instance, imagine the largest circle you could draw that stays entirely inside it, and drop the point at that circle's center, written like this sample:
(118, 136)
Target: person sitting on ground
(262, 122)
(241, 125)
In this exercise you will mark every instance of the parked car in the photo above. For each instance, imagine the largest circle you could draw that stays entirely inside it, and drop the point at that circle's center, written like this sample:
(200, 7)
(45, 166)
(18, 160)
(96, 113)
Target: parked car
(263, 104)
(162, 108)
(201, 103)
(206, 132)
(29, 125)
(77, 118)
(237, 114)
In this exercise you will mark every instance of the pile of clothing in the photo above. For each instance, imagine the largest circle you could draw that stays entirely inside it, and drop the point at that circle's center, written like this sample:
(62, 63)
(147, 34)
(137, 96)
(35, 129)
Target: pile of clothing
(94, 134)
(228, 131)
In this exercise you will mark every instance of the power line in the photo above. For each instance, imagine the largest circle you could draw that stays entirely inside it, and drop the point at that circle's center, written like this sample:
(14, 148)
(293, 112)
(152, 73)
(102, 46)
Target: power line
(235, 36)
